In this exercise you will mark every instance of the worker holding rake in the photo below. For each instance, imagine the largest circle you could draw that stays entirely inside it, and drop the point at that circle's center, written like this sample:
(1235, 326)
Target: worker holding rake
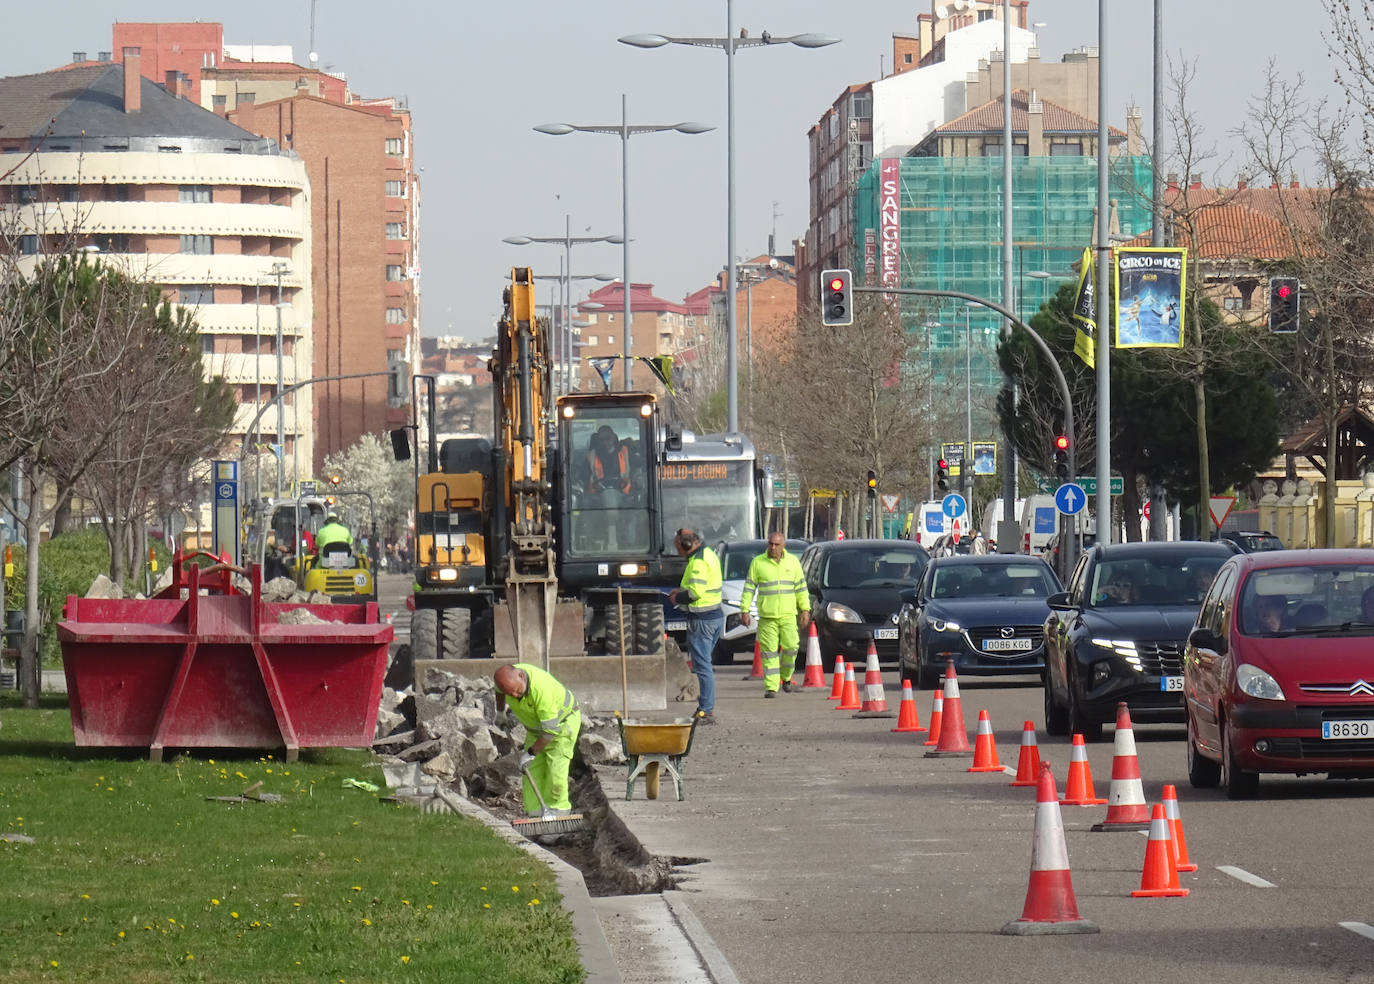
(552, 720)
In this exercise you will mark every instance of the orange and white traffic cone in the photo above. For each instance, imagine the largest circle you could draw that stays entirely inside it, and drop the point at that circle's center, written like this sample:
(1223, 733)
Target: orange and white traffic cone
(907, 718)
(985, 747)
(953, 734)
(1126, 808)
(1159, 877)
(815, 670)
(1028, 763)
(1078, 791)
(837, 691)
(757, 672)
(1050, 908)
(850, 700)
(875, 698)
(937, 717)
(1176, 838)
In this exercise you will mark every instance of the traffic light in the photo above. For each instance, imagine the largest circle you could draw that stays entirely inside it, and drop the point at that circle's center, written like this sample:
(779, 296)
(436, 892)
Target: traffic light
(1061, 456)
(837, 298)
(1284, 295)
(872, 484)
(942, 475)
(334, 480)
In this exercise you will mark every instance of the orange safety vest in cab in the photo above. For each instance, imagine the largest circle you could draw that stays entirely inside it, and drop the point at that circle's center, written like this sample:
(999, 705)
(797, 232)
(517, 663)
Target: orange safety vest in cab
(621, 482)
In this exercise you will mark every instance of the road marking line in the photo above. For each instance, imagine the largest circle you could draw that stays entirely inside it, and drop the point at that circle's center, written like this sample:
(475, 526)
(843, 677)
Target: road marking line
(1240, 874)
(1359, 928)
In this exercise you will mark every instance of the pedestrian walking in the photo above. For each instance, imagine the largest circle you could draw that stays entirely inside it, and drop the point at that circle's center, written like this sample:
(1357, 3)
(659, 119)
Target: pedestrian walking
(552, 720)
(699, 594)
(775, 579)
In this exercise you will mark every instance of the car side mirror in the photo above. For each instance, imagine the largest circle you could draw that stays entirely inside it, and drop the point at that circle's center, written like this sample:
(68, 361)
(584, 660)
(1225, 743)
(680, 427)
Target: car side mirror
(1059, 602)
(908, 595)
(1204, 638)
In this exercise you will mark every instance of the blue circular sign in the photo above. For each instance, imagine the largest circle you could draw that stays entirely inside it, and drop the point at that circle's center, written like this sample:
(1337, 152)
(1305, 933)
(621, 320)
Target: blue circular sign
(953, 505)
(1070, 498)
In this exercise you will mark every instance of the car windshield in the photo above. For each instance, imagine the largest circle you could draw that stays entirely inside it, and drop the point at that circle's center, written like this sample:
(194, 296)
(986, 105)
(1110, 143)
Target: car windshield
(1152, 581)
(738, 557)
(874, 567)
(991, 581)
(1309, 599)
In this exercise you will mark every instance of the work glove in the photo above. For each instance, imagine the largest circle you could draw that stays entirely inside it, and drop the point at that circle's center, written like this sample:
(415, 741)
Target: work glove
(525, 759)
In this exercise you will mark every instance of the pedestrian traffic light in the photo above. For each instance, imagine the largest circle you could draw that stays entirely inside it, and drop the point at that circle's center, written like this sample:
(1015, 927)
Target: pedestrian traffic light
(872, 484)
(837, 298)
(1061, 456)
(1284, 295)
(942, 474)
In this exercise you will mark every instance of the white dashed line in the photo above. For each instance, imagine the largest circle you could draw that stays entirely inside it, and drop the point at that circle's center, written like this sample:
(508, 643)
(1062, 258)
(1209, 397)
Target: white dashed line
(1240, 874)
(1359, 928)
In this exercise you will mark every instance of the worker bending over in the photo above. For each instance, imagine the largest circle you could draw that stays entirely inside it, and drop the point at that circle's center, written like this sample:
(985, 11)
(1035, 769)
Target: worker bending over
(775, 578)
(549, 713)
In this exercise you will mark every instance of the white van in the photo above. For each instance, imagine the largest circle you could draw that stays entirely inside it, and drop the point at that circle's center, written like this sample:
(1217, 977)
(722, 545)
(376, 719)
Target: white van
(993, 514)
(1039, 522)
(931, 523)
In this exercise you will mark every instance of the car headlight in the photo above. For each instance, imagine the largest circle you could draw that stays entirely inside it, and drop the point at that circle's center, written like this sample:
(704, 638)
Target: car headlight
(842, 613)
(1125, 648)
(1254, 682)
(944, 625)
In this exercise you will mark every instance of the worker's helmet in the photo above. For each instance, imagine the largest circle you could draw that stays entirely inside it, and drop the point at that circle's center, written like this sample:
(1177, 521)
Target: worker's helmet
(332, 518)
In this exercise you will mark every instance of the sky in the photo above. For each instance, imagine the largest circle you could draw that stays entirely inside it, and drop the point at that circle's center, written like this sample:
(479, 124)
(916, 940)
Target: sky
(479, 76)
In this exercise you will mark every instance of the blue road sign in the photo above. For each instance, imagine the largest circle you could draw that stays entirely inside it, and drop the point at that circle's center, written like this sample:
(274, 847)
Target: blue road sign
(953, 505)
(1070, 498)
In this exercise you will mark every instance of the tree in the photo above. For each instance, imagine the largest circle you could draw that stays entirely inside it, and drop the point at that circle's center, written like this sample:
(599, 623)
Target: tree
(369, 466)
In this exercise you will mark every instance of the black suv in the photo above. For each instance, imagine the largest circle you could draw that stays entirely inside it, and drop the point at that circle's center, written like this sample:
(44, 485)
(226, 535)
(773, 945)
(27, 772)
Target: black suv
(1117, 633)
(1253, 541)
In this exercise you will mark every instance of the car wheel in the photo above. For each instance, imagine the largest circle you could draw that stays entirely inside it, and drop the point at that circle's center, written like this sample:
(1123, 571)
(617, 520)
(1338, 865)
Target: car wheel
(1056, 717)
(1239, 783)
(1078, 720)
(1203, 773)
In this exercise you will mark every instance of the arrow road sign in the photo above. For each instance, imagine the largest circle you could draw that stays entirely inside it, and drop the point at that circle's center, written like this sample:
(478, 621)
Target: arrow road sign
(1070, 498)
(953, 505)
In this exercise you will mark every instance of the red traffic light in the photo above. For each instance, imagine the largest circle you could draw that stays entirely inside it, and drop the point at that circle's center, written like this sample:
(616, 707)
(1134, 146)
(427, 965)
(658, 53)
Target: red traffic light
(1283, 291)
(837, 283)
(1061, 442)
(941, 464)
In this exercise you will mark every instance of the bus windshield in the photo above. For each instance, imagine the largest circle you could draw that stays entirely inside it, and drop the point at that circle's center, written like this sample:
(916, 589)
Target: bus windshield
(715, 498)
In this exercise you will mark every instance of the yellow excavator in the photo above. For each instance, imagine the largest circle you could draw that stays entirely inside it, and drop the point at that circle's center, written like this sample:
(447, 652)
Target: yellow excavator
(557, 521)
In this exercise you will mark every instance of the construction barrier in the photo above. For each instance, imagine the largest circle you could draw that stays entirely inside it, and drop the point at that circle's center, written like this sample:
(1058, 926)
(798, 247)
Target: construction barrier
(1050, 908)
(1159, 877)
(1028, 762)
(953, 735)
(1126, 808)
(1079, 791)
(907, 718)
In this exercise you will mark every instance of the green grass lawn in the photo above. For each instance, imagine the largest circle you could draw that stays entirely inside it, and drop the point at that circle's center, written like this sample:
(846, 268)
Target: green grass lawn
(135, 876)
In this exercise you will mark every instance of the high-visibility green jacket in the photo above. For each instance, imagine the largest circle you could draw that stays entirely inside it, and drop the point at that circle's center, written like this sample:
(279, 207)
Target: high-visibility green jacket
(332, 533)
(547, 704)
(779, 586)
(702, 579)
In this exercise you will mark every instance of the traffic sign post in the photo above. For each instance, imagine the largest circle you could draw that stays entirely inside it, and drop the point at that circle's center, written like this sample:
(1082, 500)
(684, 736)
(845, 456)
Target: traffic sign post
(1046, 486)
(890, 501)
(953, 505)
(1070, 498)
(1220, 507)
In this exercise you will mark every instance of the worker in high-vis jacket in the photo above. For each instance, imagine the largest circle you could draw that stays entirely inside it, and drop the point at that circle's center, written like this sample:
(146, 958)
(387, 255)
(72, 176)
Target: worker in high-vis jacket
(552, 720)
(699, 594)
(776, 581)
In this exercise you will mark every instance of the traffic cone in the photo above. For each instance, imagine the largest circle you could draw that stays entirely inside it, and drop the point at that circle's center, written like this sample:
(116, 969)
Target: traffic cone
(937, 717)
(1078, 791)
(953, 734)
(1028, 764)
(757, 672)
(907, 718)
(1159, 878)
(985, 747)
(1126, 809)
(1050, 908)
(815, 670)
(1176, 838)
(850, 700)
(875, 698)
(837, 691)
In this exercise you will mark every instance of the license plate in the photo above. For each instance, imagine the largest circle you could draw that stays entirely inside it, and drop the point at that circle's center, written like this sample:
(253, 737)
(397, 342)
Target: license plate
(1347, 729)
(1171, 684)
(884, 633)
(675, 626)
(1007, 645)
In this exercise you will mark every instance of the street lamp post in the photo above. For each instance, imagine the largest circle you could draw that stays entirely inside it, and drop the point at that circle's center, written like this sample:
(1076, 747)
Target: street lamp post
(624, 131)
(564, 330)
(278, 270)
(567, 241)
(729, 44)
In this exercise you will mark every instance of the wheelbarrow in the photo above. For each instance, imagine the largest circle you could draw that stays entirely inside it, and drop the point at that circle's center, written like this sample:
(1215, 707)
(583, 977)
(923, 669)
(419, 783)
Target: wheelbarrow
(654, 748)
(204, 666)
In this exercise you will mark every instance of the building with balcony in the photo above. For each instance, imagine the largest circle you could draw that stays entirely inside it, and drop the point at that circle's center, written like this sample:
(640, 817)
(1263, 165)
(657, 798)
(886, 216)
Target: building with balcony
(98, 157)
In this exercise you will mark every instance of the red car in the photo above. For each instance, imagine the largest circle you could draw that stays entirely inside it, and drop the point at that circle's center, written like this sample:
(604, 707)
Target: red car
(1278, 671)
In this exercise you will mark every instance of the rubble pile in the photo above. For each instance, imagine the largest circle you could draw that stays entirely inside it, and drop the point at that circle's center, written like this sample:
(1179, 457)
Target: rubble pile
(279, 590)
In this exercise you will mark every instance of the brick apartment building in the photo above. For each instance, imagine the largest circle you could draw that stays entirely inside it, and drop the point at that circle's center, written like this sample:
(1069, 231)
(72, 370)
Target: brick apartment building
(364, 207)
(657, 327)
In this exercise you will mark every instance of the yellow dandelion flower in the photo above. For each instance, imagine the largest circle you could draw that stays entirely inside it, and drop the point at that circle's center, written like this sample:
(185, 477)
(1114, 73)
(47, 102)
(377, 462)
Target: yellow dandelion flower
(405, 901)
(84, 895)
(255, 924)
(121, 934)
(405, 959)
(214, 901)
(433, 882)
(212, 761)
(357, 888)
(534, 902)
(171, 920)
(52, 963)
(367, 922)
(515, 888)
(297, 905)
(234, 915)
(190, 956)
(109, 789)
(429, 907)
(484, 888)
(240, 774)
(269, 772)
(486, 905)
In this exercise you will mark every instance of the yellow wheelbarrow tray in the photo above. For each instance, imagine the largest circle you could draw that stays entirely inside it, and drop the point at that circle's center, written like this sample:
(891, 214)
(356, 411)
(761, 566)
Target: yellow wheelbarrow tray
(653, 747)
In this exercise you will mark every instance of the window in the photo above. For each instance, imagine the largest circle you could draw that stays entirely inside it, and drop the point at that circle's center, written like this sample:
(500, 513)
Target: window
(28, 245)
(207, 344)
(393, 146)
(394, 189)
(861, 105)
(394, 271)
(199, 245)
(219, 102)
(194, 194)
(395, 230)
(196, 294)
(26, 194)
(906, 58)
(1234, 303)
(591, 340)
(70, 193)
(984, 15)
(395, 316)
(1066, 150)
(169, 148)
(111, 243)
(247, 97)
